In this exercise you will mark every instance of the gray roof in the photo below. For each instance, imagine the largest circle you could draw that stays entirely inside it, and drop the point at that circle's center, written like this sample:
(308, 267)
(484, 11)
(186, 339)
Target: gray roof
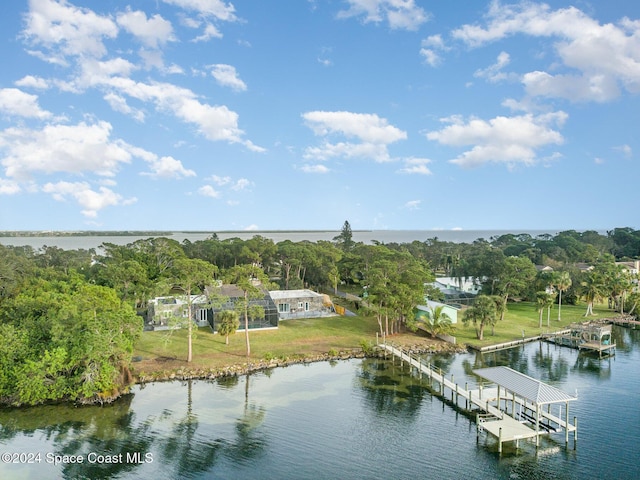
(524, 386)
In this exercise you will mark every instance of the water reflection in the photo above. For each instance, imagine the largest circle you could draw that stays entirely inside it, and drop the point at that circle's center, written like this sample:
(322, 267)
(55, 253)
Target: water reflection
(171, 438)
(387, 391)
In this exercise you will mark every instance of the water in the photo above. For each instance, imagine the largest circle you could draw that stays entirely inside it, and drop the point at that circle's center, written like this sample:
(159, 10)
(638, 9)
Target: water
(365, 236)
(349, 420)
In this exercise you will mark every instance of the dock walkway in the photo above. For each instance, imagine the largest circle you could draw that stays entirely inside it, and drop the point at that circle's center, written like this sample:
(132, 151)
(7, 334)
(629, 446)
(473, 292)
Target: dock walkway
(489, 417)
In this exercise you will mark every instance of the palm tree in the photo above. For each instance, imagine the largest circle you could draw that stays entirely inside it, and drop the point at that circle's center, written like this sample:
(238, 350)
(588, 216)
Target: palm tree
(543, 300)
(562, 282)
(436, 321)
(592, 288)
(228, 324)
(482, 313)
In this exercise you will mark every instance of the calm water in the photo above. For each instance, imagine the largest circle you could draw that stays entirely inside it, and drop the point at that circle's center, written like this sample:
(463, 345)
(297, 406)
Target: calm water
(349, 420)
(384, 236)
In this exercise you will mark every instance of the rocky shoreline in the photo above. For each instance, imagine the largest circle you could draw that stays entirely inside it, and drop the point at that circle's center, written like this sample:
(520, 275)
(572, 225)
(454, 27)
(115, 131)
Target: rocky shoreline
(186, 373)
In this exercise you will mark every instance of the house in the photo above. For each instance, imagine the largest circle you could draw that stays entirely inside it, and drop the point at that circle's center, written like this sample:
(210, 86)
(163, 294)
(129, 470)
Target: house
(450, 310)
(163, 309)
(303, 303)
(458, 284)
(633, 267)
(544, 268)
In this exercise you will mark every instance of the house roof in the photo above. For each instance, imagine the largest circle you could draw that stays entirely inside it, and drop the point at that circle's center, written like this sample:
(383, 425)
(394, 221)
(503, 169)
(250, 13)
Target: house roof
(530, 389)
(286, 294)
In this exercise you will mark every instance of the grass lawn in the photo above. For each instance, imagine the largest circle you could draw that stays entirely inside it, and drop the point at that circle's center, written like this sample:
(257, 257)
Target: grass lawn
(524, 316)
(161, 351)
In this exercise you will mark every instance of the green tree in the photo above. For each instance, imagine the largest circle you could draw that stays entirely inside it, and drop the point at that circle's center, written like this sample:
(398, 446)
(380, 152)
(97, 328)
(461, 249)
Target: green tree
(190, 276)
(544, 300)
(482, 313)
(228, 323)
(345, 239)
(436, 321)
(252, 281)
(562, 281)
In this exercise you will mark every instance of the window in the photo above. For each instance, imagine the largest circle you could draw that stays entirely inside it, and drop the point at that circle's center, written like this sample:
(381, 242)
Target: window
(201, 315)
(283, 307)
(306, 306)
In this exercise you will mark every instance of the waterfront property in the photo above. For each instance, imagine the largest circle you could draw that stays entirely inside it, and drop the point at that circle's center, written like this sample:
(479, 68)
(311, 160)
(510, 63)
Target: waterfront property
(526, 396)
(302, 303)
(450, 310)
(204, 311)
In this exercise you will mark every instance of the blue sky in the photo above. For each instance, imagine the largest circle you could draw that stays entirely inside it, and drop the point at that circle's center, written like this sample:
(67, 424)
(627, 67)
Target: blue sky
(300, 114)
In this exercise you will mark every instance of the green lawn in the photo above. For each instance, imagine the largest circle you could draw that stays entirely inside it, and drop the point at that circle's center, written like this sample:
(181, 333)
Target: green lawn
(524, 316)
(160, 351)
(293, 338)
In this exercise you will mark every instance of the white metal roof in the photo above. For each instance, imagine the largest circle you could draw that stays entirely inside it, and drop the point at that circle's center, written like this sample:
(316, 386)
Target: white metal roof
(290, 294)
(524, 386)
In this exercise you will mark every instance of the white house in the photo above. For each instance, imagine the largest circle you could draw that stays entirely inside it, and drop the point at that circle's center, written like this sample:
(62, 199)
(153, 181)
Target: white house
(452, 312)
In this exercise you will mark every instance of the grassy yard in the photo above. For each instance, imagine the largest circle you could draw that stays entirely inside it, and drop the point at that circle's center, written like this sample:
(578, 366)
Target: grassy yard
(161, 351)
(524, 316)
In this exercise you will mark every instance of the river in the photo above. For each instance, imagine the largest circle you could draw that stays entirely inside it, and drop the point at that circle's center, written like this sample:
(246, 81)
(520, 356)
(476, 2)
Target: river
(365, 236)
(349, 419)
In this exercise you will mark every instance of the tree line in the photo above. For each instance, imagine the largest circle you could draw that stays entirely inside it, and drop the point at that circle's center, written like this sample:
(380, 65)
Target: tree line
(69, 318)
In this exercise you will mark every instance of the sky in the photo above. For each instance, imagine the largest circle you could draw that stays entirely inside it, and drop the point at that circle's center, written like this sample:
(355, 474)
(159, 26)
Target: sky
(301, 114)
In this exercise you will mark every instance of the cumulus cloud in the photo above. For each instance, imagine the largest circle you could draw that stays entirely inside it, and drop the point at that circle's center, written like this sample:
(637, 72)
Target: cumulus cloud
(207, 8)
(65, 30)
(168, 167)
(15, 102)
(227, 76)
(9, 187)
(317, 168)
(30, 81)
(90, 200)
(626, 150)
(431, 48)
(152, 32)
(503, 140)
(62, 148)
(372, 133)
(208, 191)
(416, 166)
(399, 14)
(601, 58)
(494, 73)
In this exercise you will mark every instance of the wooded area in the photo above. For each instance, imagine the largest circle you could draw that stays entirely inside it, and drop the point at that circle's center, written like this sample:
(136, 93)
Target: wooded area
(69, 318)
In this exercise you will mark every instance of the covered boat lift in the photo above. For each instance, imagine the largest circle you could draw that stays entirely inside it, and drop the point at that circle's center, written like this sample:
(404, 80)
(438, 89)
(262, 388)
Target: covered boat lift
(527, 398)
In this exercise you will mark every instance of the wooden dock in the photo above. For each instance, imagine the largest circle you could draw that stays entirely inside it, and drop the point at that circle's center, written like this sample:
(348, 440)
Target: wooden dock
(527, 420)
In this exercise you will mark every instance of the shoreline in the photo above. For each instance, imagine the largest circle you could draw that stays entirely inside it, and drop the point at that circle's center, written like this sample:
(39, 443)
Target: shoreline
(183, 373)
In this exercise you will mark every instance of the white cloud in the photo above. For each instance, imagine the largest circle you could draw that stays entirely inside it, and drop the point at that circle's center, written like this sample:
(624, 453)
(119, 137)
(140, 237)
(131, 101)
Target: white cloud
(210, 31)
(227, 76)
(119, 104)
(252, 227)
(62, 148)
(400, 14)
(413, 205)
(66, 30)
(625, 149)
(494, 73)
(416, 166)
(220, 181)
(152, 32)
(601, 58)
(168, 167)
(207, 8)
(90, 200)
(506, 140)
(15, 102)
(241, 184)
(9, 187)
(373, 133)
(431, 46)
(209, 191)
(318, 168)
(29, 81)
